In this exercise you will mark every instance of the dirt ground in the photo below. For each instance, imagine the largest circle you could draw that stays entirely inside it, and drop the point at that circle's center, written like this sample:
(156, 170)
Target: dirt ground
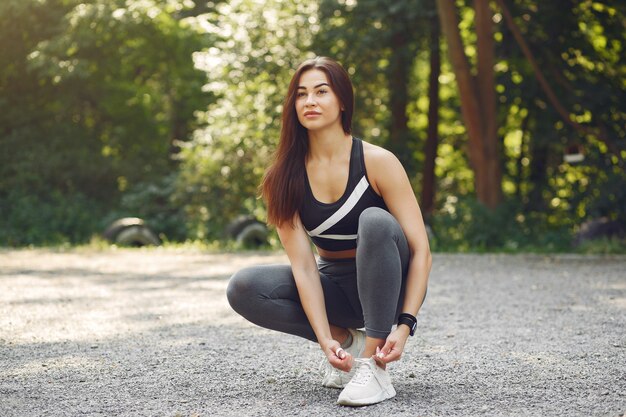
(148, 332)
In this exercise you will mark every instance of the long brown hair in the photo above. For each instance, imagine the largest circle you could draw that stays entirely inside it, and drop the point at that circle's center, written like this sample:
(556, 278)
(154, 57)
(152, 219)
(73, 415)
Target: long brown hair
(283, 184)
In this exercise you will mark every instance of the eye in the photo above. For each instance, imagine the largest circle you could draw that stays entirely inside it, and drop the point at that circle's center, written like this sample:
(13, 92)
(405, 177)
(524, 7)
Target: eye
(300, 94)
(322, 92)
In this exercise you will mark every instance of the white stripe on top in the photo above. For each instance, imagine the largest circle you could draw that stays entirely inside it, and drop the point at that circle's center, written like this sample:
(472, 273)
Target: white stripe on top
(349, 204)
(338, 237)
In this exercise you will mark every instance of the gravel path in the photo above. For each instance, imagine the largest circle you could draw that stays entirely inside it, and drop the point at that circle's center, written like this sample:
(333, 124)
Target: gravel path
(149, 333)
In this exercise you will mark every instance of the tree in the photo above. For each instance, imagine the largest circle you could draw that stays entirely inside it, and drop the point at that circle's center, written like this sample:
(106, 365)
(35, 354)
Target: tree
(383, 40)
(432, 140)
(564, 85)
(478, 101)
(92, 100)
(260, 45)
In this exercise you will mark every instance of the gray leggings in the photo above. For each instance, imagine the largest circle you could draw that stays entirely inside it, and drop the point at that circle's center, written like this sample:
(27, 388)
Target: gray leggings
(363, 292)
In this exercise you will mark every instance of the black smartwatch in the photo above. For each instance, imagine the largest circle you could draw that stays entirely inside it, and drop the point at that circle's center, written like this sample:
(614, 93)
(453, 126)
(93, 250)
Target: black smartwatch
(409, 320)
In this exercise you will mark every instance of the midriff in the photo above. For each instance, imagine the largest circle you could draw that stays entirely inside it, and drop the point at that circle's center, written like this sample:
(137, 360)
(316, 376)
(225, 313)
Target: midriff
(336, 254)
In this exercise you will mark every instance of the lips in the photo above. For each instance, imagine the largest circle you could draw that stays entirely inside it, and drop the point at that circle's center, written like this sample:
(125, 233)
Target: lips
(311, 113)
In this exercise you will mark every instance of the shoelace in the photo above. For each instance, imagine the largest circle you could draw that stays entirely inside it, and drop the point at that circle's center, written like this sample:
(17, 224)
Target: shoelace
(363, 373)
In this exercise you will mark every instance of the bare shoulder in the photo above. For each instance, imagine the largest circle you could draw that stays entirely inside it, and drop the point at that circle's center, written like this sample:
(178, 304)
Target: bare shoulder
(378, 157)
(380, 164)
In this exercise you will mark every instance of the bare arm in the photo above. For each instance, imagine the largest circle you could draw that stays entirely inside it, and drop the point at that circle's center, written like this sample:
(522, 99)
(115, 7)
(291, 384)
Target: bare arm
(392, 183)
(306, 275)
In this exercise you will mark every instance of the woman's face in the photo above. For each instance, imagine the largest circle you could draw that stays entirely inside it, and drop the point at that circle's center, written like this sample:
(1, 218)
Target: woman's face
(317, 105)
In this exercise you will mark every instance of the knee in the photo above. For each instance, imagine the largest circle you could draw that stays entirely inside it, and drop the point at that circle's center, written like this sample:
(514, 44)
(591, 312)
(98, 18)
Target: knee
(240, 288)
(375, 224)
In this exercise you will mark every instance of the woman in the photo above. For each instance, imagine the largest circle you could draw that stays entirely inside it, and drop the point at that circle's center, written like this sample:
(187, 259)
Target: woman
(354, 201)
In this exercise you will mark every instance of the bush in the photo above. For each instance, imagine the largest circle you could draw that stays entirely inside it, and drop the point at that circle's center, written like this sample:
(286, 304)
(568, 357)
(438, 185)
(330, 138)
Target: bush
(463, 224)
(48, 219)
(155, 203)
(603, 246)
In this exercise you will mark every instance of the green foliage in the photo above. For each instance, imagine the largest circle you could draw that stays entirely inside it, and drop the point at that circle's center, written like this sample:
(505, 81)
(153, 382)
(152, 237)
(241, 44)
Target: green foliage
(251, 65)
(466, 225)
(125, 75)
(155, 203)
(170, 110)
(603, 246)
(94, 97)
(597, 188)
(371, 39)
(547, 198)
(47, 219)
(582, 59)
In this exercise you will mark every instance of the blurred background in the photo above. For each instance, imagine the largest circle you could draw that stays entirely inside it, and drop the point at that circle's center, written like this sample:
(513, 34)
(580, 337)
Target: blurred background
(157, 118)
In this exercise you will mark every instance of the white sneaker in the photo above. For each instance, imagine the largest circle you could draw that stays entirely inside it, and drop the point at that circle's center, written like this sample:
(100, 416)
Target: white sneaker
(370, 385)
(333, 377)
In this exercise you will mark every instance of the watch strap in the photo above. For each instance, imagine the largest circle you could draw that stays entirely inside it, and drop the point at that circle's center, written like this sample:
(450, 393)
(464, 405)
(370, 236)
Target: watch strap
(409, 320)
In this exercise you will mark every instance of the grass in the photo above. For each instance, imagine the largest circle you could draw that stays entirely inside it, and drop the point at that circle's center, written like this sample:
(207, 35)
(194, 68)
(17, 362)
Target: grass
(602, 246)
(97, 243)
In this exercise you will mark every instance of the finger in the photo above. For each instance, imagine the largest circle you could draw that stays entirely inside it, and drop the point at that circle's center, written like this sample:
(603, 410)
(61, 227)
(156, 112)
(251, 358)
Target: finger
(392, 356)
(388, 347)
(378, 359)
(340, 353)
(343, 364)
(348, 362)
(379, 353)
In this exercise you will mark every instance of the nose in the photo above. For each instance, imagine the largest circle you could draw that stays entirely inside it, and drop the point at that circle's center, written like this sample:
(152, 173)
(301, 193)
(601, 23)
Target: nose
(310, 100)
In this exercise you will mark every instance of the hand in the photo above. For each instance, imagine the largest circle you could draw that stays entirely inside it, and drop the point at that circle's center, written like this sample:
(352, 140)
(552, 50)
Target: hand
(394, 345)
(336, 356)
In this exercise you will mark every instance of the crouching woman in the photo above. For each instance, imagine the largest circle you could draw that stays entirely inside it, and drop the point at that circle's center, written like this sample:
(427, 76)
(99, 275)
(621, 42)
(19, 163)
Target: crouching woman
(353, 200)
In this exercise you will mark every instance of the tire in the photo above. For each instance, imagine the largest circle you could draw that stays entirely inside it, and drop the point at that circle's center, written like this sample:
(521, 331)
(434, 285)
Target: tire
(599, 228)
(247, 231)
(131, 231)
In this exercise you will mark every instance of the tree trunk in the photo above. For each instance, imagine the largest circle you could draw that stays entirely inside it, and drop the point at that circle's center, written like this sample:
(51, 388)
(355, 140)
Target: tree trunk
(399, 69)
(483, 151)
(487, 99)
(432, 141)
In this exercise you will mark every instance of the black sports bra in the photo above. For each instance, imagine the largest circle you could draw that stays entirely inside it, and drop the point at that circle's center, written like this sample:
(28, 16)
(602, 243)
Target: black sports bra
(333, 226)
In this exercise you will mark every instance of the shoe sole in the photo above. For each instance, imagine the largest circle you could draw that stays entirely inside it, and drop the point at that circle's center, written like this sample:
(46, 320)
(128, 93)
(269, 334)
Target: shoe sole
(381, 396)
